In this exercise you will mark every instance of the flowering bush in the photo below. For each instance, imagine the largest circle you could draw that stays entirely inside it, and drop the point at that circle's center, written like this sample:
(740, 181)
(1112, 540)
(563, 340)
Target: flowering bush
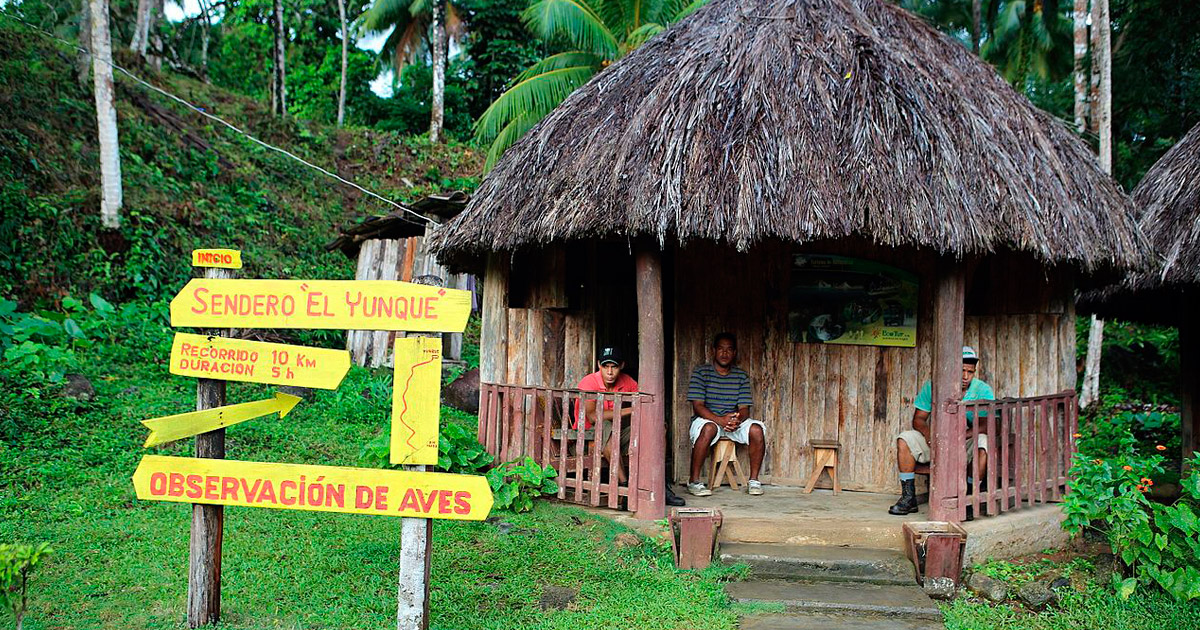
(1157, 544)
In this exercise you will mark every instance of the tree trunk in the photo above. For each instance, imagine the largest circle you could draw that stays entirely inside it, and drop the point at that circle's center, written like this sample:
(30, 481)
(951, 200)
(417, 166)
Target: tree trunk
(205, 37)
(154, 36)
(1091, 366)
(1103, 112)
(1081, 78)
(439, 71)
(106, 117)
(341, 116)
(141, 28)
(83, 63)
(1094, 87)
(976, 21)
(279, 74)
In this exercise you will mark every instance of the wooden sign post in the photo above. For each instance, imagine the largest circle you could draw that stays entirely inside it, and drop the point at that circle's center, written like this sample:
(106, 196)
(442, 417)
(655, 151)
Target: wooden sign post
(208, 521)
(210, 482)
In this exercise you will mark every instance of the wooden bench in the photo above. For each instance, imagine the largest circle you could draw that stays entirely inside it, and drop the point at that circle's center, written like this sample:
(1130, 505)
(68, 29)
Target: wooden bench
(725, 464)
(825, 456)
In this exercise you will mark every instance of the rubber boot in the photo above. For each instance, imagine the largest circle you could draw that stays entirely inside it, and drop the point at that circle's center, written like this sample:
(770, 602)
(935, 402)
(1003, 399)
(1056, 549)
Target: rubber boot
(908, 499)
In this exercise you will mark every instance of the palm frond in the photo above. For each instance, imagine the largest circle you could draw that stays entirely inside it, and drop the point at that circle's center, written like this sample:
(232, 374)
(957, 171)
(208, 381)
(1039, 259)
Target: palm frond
(642, 34)
(575, 21)
(507, 137)
(384, 14)
(687, 10)
(536, 96)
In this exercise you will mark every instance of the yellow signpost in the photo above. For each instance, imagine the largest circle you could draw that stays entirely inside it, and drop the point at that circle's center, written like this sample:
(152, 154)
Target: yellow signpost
(209, 356)
(320, 304)
(222, 258)
(316, 488)
(416, 400)
(171, 428)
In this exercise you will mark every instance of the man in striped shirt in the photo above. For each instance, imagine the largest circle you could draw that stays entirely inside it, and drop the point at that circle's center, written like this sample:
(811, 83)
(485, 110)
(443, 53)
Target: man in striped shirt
(720, 397)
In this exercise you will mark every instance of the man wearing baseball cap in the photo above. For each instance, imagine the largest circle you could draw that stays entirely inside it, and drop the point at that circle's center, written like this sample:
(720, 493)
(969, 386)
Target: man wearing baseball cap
(912, 447)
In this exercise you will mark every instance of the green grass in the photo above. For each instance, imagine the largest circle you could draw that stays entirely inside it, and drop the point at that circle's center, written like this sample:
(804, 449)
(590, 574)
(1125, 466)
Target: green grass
(121, 562)
(1086, 604)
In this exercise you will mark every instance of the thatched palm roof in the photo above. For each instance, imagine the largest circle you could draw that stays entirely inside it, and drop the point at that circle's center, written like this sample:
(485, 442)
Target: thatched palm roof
(802, 120)
(1168, 202)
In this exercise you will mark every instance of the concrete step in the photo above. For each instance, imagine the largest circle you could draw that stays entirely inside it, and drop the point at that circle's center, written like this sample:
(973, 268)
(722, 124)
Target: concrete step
(819, 621)
(821, 563)
(847, 598)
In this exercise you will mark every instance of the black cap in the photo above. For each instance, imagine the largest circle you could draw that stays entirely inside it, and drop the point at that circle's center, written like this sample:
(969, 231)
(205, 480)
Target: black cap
(611, 355)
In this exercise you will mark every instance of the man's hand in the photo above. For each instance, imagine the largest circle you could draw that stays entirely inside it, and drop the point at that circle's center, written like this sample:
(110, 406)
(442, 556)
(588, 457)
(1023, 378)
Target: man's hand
(731, 421)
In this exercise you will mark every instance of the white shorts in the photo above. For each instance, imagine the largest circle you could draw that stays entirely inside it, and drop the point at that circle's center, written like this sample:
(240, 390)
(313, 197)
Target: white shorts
(741, 435)
(921, 451)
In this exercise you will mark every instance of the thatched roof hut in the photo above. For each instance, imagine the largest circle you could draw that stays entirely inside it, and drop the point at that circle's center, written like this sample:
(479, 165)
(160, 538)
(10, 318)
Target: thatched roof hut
(1168, 202)
(853, 194)
(802, 120)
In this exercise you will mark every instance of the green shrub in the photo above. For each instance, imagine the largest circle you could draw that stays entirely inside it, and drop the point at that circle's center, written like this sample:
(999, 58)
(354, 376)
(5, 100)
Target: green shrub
(1158, 545)
(16, 563)
(517, 483)
(458, 450)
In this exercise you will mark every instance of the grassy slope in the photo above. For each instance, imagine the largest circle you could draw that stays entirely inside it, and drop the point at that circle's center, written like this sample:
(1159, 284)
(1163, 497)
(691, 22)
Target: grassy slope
(279, 212)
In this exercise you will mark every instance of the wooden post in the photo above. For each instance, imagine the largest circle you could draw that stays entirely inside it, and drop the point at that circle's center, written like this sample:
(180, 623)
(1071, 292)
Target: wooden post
(208, 521)
(412, 596)
(652, 430)
(948, 432)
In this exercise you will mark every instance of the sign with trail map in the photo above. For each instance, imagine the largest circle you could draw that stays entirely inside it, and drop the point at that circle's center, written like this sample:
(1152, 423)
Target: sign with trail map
(416, 394)
(841, 300)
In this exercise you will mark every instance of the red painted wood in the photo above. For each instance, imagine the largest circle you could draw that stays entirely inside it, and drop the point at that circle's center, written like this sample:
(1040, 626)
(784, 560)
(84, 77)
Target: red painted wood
(652, 435)
(580, 451)
(614, 463)
(635, 420)
(948, 431)
(563, 423)
(995, 458)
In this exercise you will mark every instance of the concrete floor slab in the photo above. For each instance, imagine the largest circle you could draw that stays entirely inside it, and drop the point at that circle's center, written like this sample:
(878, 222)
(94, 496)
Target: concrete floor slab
(816, 621)
(839, 597)
(816, 562)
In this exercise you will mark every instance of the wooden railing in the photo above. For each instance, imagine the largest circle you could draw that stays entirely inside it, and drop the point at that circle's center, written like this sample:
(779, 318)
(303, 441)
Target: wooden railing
(519, 420)
(1030, 446)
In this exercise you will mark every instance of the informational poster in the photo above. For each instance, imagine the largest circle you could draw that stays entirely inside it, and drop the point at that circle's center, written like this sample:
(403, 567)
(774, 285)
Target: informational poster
(842, 300)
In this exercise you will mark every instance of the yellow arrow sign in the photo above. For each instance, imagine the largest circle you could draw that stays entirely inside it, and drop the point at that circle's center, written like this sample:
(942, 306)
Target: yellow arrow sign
(323, 304)
(257, 361)
(171, 428)
(316, 488)
(416, 389)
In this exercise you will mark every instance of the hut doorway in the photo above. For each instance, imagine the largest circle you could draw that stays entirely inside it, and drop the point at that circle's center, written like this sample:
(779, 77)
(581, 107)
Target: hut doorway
(616, 303)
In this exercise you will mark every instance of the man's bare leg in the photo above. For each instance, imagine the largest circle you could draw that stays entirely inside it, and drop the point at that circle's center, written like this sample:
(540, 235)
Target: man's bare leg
(905, 461)
(758, 447)
(700, 449)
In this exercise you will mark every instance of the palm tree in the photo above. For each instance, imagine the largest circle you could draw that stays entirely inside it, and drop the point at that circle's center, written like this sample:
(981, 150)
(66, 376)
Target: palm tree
(595, 33)
(417, 26)
(1029, 37)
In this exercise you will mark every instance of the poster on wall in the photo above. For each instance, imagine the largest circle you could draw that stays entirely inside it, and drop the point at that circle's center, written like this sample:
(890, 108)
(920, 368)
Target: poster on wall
(842, 300)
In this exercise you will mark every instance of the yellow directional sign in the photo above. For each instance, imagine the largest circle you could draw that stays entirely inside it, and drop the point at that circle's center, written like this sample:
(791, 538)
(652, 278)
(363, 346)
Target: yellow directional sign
(227, 359)
(324, 304)
(224, 258)
(317, 488)
(177, 427)
(416, 394)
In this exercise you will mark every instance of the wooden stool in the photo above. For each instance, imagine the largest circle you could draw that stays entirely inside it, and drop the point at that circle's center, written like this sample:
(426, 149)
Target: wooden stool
(825, 455)
(724, 453)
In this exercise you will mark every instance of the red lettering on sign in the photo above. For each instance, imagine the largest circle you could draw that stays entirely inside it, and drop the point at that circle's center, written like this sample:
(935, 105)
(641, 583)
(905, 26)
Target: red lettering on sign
(283, 488)
(197, 295)
(211, 487)
(310, 305)
(410, 501)
(175, 485)
(229, 486)
(362, 497)
(443, 502)
(427, 502)
(158, 484)
(193, 486)
(461, 502)
(268, 492)
(248, 491)
(381, 497)
(431, 307)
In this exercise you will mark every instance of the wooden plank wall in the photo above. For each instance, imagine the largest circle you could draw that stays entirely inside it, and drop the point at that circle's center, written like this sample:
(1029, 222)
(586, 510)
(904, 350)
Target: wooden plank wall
(860, 395)
(398, 259)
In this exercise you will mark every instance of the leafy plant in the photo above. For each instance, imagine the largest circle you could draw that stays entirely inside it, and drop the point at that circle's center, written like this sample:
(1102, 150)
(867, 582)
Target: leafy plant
(458, 451)
(517, 483)
(1157, 544)
(16, 563)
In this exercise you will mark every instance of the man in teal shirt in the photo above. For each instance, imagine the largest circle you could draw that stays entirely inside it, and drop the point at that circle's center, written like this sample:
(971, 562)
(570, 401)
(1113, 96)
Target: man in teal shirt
(912, 447)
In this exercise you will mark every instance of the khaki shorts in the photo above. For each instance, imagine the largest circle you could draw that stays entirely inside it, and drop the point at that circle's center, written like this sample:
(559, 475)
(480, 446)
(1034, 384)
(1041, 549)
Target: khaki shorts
(921, 451)
(608, 429)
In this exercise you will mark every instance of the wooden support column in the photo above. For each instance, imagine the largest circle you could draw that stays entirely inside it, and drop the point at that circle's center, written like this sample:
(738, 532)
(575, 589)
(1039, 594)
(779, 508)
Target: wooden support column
(208, 521)
(652, 430)
(948, 432)
(1189, 372)
(416, 548)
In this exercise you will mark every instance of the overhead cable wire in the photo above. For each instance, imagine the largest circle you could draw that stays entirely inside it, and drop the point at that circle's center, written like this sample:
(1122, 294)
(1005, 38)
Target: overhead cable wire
(226, 123)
